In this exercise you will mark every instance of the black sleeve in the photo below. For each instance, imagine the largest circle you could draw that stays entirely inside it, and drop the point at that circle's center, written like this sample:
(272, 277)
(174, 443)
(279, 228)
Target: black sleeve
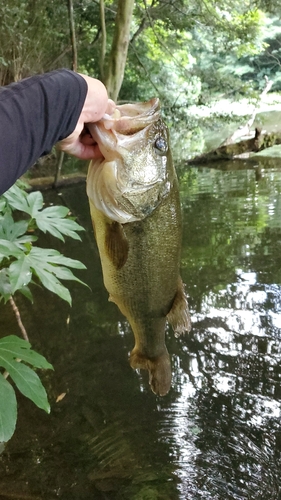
(35, 114)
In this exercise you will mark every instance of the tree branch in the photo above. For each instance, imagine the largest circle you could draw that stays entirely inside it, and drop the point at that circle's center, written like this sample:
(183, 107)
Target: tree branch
(18, 317)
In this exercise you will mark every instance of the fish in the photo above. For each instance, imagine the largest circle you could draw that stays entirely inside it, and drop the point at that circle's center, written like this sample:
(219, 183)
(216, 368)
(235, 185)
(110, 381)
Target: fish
(135, 208)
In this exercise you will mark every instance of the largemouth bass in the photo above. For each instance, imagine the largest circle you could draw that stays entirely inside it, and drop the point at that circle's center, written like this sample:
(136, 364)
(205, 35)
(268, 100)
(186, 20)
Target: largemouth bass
(135, 209)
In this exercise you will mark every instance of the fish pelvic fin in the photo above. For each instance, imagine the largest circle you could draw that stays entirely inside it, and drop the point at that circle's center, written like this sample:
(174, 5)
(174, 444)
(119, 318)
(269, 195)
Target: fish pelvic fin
(179, 316)
(159, 369)
(116, 244)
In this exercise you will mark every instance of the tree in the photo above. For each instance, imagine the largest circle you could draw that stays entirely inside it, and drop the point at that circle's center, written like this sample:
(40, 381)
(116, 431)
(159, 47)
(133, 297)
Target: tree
(119, 48)
(33, 38)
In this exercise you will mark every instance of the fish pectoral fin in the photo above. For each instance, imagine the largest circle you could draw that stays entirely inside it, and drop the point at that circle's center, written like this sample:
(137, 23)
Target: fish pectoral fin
(116, 244)
(159, 369)
(179, 316)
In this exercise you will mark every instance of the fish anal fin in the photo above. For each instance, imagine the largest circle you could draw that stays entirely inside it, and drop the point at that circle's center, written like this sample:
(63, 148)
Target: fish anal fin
(179, 316)
(116, 244)
(159, 369)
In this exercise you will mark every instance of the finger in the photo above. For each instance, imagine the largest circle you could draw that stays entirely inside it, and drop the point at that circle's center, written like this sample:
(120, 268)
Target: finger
(87, 139)
(110, 107)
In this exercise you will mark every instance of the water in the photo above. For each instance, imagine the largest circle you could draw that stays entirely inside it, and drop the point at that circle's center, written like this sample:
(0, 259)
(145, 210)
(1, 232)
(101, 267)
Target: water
(217, 435)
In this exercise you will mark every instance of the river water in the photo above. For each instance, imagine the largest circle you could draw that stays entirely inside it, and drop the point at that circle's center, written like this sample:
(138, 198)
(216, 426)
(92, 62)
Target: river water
(217, 434)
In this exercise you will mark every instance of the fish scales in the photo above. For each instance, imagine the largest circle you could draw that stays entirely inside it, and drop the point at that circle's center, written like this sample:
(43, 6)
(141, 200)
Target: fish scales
(138, 234)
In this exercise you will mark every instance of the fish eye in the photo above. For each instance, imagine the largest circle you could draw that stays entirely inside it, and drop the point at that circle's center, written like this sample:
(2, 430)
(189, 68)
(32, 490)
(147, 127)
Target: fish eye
(161, 146)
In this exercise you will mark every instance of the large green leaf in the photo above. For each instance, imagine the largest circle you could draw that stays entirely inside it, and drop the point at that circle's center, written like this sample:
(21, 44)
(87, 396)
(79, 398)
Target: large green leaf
(17, 199)
(20, 200)
(20, 273)
(54, 257)
(27, 381)
(5, 285)
(15, 231)
(9, 249)
(10, 230)
(53, 284)
(49, 266)
(52, 219)
(8, 410)
(35, 202)
(13, 347)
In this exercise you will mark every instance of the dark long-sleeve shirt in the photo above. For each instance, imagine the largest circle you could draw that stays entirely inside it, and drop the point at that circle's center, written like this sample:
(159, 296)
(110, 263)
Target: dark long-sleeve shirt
(35, 114)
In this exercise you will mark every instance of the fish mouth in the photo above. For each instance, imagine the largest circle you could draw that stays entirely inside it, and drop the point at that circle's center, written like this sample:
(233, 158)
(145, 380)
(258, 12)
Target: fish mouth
(117, 185)
(127, 120)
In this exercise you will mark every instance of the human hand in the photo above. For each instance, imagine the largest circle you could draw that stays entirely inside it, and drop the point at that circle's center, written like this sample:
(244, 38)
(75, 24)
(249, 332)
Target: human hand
(80, 143)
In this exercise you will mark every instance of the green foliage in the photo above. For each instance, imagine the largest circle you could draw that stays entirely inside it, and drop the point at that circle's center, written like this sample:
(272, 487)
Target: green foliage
(20, 261)
(8, 410)
(33, 37)
(268, 61)
(14, 353)
(21, 264)
(186, 52)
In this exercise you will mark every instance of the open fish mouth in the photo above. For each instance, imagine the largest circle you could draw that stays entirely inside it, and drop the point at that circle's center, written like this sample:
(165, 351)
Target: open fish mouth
(130, 179)
(129, 118)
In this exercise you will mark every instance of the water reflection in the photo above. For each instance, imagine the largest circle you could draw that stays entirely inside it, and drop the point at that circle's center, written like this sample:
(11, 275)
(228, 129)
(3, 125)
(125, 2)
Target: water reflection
(217, 435)
(236, 335)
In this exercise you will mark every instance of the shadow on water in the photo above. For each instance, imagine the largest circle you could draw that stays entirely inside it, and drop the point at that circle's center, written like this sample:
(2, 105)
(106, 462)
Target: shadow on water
(217, 435)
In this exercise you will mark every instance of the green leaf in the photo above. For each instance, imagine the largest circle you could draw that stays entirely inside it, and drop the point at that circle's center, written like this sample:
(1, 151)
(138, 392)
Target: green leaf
(25, 290)
(35, 202)
(13, 347)
(49, 266)
(27, 381)
(2, 204)
(9, 249)
(54, 257)
(10, 230)
(8, 410)
(15, 231)
(53, 284)
(17, 198)
(5, 285)
(20, 273)
(52, 220)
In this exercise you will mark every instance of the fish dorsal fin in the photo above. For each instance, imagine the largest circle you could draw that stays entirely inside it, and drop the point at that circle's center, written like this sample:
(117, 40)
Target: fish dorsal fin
(116, 244)
(179, 316)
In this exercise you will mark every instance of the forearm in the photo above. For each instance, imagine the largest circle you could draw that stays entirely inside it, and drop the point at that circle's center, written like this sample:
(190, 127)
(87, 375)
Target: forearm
(35, 114)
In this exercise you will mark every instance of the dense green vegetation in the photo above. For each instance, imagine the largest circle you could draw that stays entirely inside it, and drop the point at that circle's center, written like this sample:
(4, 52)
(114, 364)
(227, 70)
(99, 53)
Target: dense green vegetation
(184, 51)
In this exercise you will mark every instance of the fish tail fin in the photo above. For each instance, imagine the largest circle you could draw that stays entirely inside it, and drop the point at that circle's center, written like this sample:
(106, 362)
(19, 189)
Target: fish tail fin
(159, 368)
(179, 316)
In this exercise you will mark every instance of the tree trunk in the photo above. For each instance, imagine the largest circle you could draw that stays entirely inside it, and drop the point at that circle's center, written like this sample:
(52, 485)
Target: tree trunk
(72, 35)
(119, 49)
(74, 67)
